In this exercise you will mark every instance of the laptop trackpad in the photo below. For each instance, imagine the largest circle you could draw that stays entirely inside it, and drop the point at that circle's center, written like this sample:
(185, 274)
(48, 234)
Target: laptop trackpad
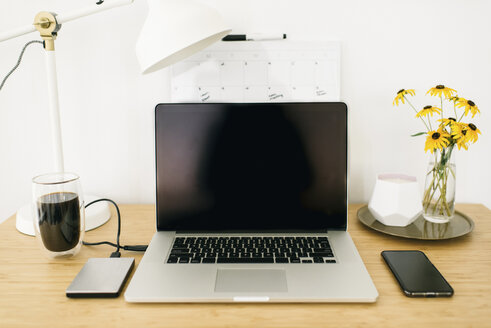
(251, 280)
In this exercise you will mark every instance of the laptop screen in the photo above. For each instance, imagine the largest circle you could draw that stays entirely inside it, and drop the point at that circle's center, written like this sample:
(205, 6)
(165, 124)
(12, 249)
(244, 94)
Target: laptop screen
(251, 167)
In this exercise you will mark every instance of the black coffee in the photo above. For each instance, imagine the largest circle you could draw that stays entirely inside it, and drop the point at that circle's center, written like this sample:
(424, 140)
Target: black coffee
(59, 220)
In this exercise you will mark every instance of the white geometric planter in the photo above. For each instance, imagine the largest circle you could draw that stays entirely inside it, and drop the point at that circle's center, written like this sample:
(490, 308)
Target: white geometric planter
(395, 200)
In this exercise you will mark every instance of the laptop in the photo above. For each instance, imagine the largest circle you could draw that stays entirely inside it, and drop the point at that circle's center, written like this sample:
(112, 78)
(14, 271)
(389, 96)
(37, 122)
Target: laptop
(251, 206)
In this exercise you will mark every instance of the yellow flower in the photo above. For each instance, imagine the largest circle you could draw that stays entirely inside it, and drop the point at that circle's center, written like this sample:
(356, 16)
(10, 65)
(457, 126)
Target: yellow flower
(469, 106)
(454, 99)
(428, 110)
(441, 89)
(458, 130)
(472, 132)
(437, 140)
(462, 143)
(447, 121)
(400, 95)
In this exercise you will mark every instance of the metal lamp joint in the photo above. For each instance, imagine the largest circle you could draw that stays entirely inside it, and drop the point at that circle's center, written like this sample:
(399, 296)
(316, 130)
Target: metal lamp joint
(48, 27)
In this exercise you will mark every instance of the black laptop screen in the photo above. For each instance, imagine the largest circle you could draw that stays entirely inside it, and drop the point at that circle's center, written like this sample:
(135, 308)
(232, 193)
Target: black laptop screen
(251, 167)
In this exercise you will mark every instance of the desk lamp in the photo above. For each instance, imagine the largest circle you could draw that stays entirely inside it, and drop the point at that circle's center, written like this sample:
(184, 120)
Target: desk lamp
(173, 30)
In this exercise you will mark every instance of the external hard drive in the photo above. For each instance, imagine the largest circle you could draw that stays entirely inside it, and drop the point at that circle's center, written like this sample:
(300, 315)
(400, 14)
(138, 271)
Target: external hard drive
(101, 277)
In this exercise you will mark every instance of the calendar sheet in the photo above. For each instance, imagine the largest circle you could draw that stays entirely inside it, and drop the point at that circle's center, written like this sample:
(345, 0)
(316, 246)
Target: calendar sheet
(259, 71)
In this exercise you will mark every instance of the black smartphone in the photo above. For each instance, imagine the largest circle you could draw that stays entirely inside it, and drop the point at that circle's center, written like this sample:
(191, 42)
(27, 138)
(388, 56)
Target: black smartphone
(415, 273)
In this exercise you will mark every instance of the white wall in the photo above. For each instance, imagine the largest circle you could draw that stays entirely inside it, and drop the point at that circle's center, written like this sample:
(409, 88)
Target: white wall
(107, 107)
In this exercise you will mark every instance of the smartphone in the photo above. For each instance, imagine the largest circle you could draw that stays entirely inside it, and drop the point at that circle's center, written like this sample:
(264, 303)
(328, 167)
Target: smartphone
(415, 273)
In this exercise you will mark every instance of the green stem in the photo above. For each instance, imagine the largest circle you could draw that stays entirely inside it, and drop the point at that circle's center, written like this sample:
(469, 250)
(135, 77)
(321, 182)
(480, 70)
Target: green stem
(451, 171)
(438, 206)
(432, 189)
(441, 171)
(443, 194)
(461, 116)
(417, 113)
(441, 107)
(430, 192)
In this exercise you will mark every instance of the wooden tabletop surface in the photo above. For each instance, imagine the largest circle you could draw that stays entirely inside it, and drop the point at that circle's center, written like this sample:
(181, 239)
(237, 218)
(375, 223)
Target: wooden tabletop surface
(32, 287)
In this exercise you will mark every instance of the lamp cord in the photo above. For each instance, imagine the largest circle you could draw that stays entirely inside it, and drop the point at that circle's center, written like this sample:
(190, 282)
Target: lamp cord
(18, 60)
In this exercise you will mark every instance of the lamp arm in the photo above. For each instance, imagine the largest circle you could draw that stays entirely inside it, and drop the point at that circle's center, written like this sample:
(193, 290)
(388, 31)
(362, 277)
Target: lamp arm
(92, 9)
(89, 10)
(17, 32)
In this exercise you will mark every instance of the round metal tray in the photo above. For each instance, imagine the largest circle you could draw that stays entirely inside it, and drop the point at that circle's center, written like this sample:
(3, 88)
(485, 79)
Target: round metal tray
(458, 226)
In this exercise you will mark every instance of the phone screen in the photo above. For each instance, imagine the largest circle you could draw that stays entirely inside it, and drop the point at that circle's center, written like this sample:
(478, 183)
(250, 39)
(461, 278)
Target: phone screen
(416, 274)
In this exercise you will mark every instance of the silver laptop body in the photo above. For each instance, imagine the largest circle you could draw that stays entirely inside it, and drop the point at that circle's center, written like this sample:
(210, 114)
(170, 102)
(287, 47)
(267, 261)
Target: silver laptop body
(248, 198)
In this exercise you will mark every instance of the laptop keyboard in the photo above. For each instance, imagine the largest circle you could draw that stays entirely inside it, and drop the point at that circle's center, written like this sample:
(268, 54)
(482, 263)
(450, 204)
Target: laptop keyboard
(251, 250)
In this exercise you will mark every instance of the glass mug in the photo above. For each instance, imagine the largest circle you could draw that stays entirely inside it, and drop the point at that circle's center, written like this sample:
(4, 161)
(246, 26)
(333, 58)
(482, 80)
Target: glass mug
(59, 213)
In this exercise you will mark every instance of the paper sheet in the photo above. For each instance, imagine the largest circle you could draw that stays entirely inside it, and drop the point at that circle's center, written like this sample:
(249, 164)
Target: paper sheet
(259, 71)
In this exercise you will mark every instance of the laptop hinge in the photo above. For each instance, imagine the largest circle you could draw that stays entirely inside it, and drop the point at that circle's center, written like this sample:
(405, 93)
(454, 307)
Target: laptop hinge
(252, 232)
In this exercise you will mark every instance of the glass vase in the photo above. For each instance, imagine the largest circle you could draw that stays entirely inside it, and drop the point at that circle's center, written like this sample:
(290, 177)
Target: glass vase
(439, 193)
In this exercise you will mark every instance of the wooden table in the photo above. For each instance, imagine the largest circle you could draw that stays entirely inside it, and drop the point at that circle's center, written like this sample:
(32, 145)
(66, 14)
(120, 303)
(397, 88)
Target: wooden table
(32, 287)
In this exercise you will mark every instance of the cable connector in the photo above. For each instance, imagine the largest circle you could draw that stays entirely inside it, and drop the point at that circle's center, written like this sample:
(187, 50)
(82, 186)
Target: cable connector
(135, 248)
(115, 254)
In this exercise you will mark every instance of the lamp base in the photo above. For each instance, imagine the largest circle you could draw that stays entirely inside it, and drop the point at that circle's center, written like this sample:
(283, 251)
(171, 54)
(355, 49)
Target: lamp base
(95, 215)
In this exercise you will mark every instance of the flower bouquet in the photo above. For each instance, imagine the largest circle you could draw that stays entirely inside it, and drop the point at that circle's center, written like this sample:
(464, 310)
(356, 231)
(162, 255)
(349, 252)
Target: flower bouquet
(441, 139)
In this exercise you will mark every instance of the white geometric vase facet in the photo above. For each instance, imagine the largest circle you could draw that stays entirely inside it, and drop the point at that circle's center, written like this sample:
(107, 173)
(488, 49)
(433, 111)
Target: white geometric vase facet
(396, 200)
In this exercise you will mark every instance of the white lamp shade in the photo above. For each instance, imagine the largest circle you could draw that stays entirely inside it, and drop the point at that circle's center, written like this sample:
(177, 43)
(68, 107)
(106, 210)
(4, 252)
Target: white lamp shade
(174, 30)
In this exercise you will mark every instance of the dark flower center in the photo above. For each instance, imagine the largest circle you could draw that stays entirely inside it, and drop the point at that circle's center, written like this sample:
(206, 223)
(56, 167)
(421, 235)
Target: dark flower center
(471, 103)
(472, 126)
(398, 92)
(427, 107)
(452, 119)
(464, 132)
(440, 86)
(435, 136)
